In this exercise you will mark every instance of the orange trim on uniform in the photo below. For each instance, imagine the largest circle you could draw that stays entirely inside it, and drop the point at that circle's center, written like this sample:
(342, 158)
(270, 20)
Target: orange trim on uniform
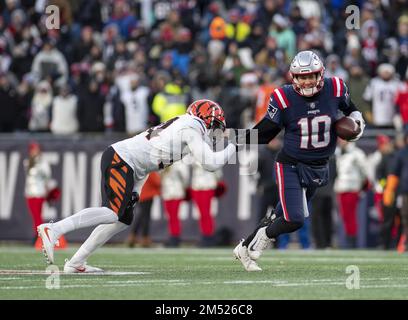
(116, 158)
(125, 169)
(117, 202)
(118, 177)
(115, 209)
(116, 188)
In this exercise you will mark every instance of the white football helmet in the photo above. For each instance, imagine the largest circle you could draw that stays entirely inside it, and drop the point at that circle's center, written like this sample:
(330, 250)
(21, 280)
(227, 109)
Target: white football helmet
(307, 62)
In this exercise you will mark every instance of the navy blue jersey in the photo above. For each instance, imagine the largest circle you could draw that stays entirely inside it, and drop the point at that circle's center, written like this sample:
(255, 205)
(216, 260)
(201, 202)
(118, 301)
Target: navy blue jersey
(400, 169)
(309, 121)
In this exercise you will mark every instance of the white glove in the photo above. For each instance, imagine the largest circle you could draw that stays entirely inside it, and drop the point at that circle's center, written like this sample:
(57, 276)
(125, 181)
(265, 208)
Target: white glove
(358, 118)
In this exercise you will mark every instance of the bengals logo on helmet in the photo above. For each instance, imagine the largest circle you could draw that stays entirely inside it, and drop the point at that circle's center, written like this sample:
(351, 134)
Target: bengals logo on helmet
(208, 111)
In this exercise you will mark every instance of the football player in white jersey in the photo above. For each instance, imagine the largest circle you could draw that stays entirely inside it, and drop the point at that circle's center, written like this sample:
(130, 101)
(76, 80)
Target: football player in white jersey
(124, 166)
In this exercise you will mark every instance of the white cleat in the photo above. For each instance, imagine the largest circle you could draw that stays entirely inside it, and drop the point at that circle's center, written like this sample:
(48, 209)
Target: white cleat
(241, 253)
(49, 240)
(258, 244)
(84, 268)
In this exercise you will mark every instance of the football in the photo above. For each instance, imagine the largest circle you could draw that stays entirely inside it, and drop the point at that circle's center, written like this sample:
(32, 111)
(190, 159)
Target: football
(347, 128)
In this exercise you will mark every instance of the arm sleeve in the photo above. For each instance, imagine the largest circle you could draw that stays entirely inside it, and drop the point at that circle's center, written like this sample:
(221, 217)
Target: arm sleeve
(202, 153)
(268, 128)
(265, 129)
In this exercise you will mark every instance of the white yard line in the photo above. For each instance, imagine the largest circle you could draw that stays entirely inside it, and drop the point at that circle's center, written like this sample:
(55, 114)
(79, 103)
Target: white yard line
(181, 282)
(43, 272)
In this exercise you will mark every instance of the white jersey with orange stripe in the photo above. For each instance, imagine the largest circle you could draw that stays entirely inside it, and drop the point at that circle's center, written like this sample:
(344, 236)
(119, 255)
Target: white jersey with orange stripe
(160, 146)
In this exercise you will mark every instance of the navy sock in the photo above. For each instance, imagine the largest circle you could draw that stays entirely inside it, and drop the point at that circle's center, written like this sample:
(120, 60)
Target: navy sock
(280, 226)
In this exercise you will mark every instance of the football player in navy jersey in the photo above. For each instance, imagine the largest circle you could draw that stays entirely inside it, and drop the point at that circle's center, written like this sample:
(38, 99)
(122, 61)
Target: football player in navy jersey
(307, 110)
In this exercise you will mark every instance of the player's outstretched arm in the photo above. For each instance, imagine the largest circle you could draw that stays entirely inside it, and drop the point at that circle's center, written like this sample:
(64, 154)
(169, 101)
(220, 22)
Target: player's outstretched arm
(265, 129)
(202, 153)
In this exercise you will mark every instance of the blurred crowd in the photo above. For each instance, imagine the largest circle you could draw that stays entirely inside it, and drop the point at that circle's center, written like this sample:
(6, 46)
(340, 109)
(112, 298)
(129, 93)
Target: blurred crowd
(121, 65)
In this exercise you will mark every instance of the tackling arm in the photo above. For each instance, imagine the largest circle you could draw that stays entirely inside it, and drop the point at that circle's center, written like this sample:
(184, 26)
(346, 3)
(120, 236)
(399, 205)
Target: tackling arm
(266, 130)
(202, 152)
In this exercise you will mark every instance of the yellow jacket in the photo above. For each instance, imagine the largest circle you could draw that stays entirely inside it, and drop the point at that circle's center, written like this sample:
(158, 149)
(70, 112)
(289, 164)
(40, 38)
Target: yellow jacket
(169, 103)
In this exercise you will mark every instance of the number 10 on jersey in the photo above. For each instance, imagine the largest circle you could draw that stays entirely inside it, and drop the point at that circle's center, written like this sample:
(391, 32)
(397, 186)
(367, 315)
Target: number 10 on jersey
(315, 132)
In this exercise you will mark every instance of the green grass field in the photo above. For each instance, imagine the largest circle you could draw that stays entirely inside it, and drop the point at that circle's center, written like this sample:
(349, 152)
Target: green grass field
(207, 274)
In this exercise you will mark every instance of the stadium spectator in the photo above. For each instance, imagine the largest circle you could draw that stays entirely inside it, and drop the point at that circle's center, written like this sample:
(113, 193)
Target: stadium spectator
(205, 186)
(123, 17)
(170, 102)
(256, 39)
(25, 92)
(174, 184)
(322, 217)
(381, 92)
(134, 99)
(8, 103)
(90, 108)
(267, 188)
(64, 112)
(350, 180)
(40, 115)
(284, 36)
(238, 60)
(141, 225)
(265, 12)
(82, 47)
(270, 56)
(39, 187)
(401, 102)
(236, 29)
(316, 37)
(398, 178)
(50, 64)
(357, 82)
(382, 161)
(181, 54)
(263, 95)
(334, 68)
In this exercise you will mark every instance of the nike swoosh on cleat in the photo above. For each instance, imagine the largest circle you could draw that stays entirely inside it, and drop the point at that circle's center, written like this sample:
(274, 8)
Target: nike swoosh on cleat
(252, 247)
(80, 269)
(46, 233)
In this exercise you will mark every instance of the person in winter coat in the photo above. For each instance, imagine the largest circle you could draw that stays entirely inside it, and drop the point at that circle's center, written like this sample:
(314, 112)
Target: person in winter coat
(205, 186)
(41, 108)
(39, 187)
(150, 190)
(174, 182)
(64, 112)
(351, 179)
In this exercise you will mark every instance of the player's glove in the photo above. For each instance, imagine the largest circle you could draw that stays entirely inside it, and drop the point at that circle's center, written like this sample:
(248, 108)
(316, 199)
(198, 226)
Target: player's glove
(358, 118)
(53, 195)
(133, 200)
(221, 189)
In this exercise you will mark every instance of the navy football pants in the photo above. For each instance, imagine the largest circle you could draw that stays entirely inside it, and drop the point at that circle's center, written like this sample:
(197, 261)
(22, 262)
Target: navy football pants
(294, 200)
